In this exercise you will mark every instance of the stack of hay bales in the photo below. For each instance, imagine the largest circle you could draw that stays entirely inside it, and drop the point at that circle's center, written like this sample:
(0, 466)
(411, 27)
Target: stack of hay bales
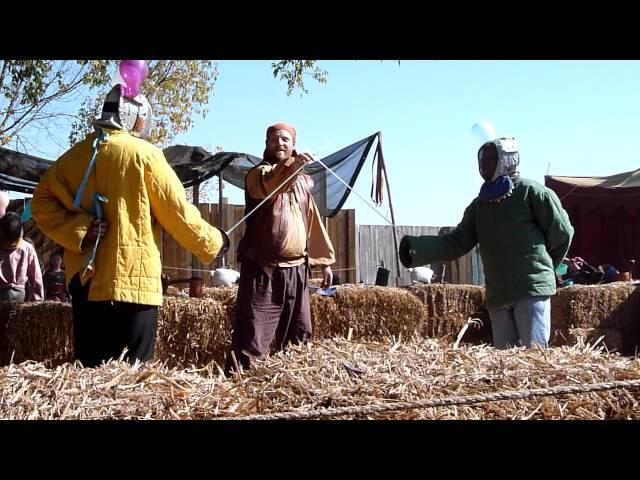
(190, 331)
(196, 331)
(368, 312)
(578, 313)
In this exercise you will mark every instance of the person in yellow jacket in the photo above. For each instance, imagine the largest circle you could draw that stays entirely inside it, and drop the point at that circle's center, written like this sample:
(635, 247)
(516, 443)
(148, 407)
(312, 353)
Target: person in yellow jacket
(104, 201)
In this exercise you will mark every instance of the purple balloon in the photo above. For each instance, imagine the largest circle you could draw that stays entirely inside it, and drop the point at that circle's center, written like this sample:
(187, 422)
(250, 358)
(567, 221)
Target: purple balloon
(133, 72)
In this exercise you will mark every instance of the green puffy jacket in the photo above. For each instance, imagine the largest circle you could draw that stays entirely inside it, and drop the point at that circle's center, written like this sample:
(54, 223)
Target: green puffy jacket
(522, 239)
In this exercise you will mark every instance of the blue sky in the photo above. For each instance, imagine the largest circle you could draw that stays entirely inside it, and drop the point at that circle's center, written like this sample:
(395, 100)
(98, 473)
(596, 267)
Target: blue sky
(575, 118)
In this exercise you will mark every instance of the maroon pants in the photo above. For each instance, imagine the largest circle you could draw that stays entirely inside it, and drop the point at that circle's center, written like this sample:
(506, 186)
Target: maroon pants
(267, 307)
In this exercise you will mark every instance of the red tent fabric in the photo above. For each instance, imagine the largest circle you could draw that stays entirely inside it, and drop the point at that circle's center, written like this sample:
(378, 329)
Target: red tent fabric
(605, 212)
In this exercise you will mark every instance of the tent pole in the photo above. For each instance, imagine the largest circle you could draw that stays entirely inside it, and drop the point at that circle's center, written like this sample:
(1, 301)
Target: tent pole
(393, 217)
(221, 214)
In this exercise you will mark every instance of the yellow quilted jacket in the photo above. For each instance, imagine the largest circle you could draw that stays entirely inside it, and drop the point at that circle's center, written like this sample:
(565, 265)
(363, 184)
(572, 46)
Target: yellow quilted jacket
(143, 193)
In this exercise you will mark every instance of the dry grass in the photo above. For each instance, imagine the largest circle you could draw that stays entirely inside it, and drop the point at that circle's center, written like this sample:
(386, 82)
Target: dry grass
(225, 295)
(331, 373)
(610, 338)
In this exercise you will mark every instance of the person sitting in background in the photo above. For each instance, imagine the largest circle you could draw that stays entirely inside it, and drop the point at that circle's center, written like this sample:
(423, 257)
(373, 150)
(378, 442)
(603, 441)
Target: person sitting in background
(54, 280)
(18, 262)
(29, 296)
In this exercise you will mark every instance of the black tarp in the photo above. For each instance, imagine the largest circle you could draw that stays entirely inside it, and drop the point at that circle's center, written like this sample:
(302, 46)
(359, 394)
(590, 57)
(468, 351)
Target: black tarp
(20, 172)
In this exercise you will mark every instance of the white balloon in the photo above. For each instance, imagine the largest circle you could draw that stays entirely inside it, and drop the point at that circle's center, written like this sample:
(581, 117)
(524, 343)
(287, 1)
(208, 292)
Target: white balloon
(483, 131)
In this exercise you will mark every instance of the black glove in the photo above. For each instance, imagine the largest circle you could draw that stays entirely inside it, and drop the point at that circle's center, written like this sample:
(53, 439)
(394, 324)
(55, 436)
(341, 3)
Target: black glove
(405, 252)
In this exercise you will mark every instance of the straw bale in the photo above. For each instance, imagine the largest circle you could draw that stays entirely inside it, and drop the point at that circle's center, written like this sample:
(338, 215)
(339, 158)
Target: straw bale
(40, 331)
(192, 331)
(448, 309)
(370, 312)
(612, 308)
(612, 305)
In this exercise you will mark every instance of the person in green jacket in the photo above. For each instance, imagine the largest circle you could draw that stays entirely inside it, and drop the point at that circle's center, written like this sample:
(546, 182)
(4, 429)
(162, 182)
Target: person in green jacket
(523, 234)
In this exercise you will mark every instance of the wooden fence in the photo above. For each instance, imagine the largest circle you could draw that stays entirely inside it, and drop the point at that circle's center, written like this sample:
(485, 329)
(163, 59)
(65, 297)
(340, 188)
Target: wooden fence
(376, 247)
(178, 263)
(358, 251)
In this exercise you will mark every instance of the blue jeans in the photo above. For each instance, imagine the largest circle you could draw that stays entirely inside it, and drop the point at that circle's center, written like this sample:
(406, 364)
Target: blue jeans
(523, 323)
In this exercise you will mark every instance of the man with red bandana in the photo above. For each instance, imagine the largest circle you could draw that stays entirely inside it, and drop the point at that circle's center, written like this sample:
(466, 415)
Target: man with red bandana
(283, 239)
